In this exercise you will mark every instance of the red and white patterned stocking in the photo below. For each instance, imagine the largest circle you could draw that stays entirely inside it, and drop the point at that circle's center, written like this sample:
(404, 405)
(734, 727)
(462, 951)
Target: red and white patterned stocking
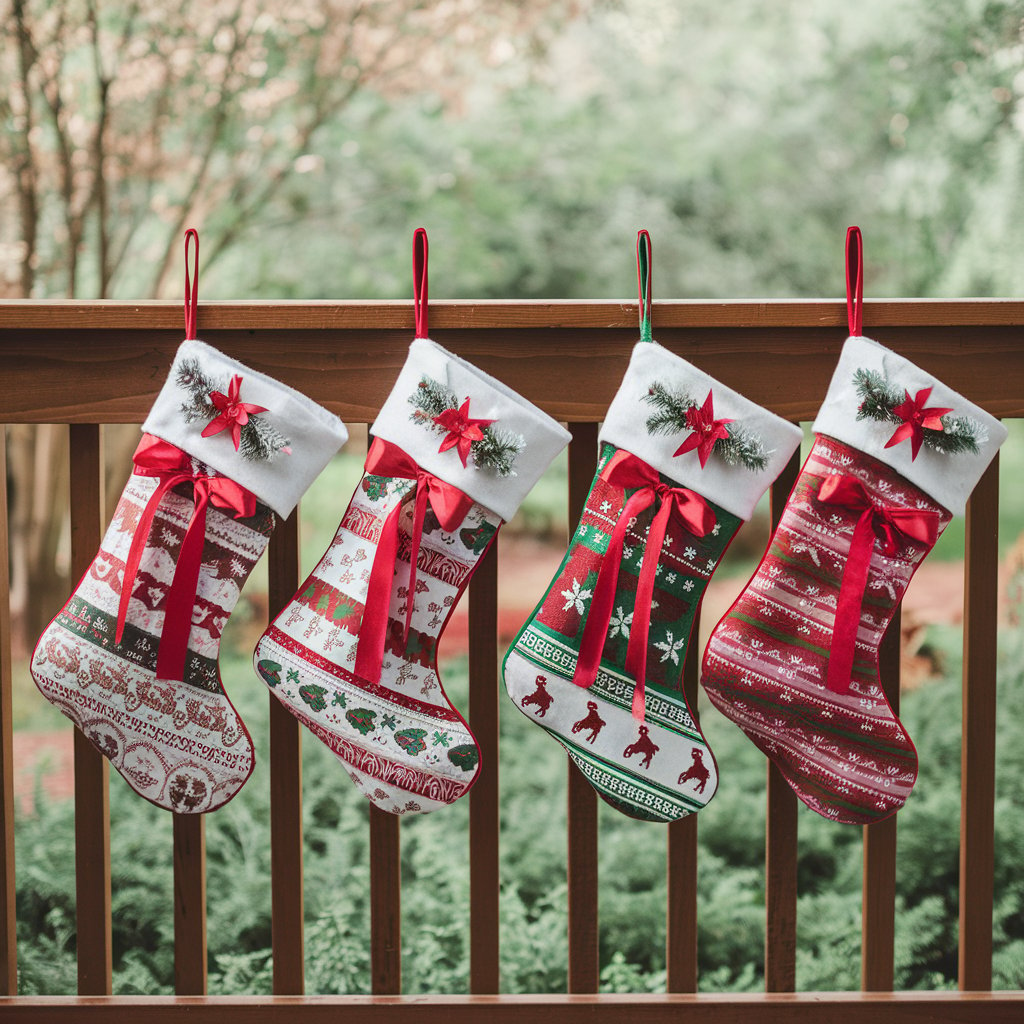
(354, 655)
(795, 661)
(131, 658)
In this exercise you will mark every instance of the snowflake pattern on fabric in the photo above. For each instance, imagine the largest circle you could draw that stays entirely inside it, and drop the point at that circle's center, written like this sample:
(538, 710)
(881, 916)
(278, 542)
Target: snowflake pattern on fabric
(576, 597)
(638, 768)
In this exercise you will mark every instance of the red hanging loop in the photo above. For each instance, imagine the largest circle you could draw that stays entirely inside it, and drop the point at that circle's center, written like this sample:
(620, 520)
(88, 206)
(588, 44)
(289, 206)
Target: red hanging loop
(191, 286)
(854, 281)
(419, 280)
(644, 262)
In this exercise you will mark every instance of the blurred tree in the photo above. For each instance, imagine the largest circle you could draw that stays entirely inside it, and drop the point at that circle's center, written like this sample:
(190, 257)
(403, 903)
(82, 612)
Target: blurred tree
(124, 121)
(746, 140)
(121, 123)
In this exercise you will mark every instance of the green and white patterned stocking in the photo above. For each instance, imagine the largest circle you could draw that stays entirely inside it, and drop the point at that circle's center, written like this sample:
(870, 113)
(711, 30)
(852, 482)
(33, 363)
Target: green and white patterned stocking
(683, 481)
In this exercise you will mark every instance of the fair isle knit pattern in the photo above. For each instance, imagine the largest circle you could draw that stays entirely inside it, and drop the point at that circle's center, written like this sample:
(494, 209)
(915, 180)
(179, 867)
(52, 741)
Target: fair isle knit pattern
(178, 743)
(658, 770)
(846, 756)
(401, 741)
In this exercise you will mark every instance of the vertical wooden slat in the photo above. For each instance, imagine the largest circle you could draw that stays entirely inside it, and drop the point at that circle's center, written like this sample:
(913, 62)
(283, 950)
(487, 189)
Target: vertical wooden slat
(484, 964)
(878, 896)
(385, 903)
(780, 842)
(8, 934)
(189, 904)
(286, 878)
(92, 771)
(681, 919)
(977, 759)
(584, 957)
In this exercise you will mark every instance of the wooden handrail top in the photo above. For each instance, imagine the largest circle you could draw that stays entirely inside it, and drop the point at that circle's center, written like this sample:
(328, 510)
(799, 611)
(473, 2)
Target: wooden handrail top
(476, 314)
(346, 355)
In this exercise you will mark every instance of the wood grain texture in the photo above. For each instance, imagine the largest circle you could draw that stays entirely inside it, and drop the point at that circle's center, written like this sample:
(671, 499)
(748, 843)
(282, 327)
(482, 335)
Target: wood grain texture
(92, 769)
(8, 909)
(878, 891)
(484, 877)
(804, 1008)
(189, 904)
(346, 355)
(385, 903)
(286, 874)
(978, 754)
(86, 362)
(590, 314)
(681, 913)
(584, 954)
(780, 829)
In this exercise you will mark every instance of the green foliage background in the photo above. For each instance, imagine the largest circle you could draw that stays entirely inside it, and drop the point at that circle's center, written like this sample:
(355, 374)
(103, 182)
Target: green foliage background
(435, 855)
(435, 848)
(745, 137)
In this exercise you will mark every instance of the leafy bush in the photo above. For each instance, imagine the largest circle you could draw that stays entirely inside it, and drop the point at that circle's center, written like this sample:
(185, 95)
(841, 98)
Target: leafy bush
(435, 871)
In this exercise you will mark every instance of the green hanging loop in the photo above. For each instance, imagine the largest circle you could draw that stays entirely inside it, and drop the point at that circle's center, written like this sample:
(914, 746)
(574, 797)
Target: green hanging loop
(644, 263)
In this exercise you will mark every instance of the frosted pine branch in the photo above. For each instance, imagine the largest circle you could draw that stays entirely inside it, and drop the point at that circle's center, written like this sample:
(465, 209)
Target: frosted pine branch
(879, 399)
(498, 449)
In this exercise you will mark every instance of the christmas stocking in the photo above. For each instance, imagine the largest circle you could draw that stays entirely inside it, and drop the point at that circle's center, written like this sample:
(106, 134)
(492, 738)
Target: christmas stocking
(795, 662)
(354, 656)
(131, 658)
(683, 461)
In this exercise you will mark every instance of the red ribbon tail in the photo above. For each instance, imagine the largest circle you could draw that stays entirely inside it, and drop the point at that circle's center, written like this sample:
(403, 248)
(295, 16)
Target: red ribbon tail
(639, 708)
(596, 627)
(170, 663)
(373, 629)
(422, 493)
(595, 630)
(848, 607)
(639, 634)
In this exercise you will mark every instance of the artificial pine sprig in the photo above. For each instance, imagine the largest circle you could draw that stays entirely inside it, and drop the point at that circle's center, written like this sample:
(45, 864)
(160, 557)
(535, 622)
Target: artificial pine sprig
(879, 399)
(670, 409)
(498, 449)
(258, 441)
(740, 448)
(431, 398)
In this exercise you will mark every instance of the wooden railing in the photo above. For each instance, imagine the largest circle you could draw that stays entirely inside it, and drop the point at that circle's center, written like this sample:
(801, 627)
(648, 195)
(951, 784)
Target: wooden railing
(90, 363)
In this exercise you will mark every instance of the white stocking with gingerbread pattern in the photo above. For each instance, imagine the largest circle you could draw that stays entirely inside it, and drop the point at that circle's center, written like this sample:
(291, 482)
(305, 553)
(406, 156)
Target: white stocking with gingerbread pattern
(354, 655)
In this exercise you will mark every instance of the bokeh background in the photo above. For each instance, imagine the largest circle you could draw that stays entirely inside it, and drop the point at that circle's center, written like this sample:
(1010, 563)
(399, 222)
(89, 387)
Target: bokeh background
(306, 140)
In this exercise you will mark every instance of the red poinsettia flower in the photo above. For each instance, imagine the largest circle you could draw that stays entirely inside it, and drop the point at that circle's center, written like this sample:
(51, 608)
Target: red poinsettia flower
(706, 431)
(462, 431)
(916, 418)
(233, 414)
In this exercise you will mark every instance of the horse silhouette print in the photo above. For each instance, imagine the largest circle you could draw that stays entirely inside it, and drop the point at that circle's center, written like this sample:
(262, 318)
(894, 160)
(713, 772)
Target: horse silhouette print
(540, 697)
(591, 721)
(644, 745)
(697, 771)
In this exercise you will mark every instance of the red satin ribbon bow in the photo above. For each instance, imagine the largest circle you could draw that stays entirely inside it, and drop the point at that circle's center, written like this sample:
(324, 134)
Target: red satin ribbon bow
(450, 505)
(886, 523)
(172, 466)
(627, 471)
